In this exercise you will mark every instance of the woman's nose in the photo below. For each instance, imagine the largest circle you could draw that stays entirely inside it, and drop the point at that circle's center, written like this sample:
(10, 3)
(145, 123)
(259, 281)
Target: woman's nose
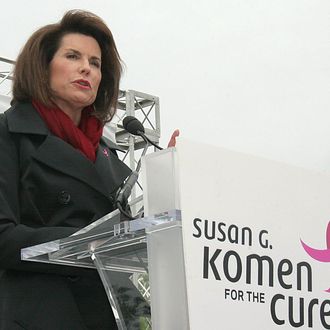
(85, 66)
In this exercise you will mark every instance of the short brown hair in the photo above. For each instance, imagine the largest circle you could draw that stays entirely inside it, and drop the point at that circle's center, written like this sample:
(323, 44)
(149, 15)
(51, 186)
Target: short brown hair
(31, 74)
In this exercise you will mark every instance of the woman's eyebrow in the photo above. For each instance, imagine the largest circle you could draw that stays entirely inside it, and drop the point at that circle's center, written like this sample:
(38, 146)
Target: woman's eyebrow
(73, 50)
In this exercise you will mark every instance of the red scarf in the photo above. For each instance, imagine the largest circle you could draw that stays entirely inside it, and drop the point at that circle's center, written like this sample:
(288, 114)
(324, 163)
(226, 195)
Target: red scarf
(86, 137)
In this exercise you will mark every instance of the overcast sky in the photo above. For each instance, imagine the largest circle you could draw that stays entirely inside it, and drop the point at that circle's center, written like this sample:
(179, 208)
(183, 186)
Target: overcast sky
(249, 75)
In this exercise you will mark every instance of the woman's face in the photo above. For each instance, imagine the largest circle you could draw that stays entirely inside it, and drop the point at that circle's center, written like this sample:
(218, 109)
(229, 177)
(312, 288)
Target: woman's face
(75, 72)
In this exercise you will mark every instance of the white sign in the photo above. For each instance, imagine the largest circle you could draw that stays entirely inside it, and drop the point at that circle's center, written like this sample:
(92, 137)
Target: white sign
(245, 223)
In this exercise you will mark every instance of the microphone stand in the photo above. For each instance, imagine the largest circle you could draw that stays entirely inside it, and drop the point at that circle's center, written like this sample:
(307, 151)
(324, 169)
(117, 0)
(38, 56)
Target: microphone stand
(125, 191)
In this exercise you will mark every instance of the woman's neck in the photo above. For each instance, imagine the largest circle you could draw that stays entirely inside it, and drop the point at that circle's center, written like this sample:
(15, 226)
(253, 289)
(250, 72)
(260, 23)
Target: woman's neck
(74, 114)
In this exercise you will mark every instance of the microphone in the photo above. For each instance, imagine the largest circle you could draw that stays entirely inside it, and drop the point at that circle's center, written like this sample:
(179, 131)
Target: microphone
(134, 126)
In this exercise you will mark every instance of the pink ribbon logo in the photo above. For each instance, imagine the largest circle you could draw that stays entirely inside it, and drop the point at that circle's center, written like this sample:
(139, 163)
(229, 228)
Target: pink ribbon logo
(105, 152)
(320, 255)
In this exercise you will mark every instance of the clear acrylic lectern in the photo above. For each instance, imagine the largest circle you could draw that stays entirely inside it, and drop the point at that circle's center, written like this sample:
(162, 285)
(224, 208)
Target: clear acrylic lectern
(138, 253)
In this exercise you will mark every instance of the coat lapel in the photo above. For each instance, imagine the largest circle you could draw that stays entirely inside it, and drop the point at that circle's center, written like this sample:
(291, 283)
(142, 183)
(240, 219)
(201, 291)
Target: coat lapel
(105, 176)
(62, 157)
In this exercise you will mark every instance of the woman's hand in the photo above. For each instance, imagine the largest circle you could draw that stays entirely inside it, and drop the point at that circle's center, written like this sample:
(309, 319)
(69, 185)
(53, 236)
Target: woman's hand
(172, 141)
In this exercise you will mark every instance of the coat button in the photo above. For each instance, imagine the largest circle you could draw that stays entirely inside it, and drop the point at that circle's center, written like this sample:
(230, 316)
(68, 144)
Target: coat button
(64, 197)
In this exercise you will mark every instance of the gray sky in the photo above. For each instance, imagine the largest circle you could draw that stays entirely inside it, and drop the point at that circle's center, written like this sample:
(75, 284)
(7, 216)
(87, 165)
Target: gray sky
(249, 75)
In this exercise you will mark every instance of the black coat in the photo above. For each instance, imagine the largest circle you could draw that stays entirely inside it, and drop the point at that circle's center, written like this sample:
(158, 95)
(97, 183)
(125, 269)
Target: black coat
(48, 190)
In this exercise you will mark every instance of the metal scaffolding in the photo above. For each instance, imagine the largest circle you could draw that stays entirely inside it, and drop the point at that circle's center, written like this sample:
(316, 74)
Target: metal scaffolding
(6, 70)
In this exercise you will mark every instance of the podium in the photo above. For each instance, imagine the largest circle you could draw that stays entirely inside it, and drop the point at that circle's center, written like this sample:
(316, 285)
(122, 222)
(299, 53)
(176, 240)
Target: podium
(220, 245)
(125, 253)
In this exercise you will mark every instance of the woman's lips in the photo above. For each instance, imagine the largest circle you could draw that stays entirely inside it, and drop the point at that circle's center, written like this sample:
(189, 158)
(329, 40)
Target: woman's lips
(81, 83)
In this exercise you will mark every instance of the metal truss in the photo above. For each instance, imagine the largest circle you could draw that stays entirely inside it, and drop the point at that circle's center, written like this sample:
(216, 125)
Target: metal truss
(144, 107)
(6, 70)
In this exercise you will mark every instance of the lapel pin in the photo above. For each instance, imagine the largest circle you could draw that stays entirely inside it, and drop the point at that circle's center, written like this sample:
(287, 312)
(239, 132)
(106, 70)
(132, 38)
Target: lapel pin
(105, 151)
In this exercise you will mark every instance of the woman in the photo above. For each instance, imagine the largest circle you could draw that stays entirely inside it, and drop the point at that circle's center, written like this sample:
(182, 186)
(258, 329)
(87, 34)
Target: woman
(57, 173)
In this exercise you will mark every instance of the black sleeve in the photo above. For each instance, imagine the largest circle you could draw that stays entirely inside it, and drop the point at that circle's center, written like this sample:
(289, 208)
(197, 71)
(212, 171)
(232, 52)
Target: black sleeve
(13, 234)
